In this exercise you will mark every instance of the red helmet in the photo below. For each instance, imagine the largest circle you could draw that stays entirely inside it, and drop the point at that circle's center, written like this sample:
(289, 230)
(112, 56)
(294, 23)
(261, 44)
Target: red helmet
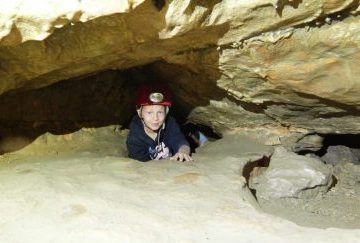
(153, 94)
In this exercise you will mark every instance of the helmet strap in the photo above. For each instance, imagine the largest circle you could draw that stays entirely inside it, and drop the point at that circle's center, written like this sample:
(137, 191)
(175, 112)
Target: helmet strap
(138, 110)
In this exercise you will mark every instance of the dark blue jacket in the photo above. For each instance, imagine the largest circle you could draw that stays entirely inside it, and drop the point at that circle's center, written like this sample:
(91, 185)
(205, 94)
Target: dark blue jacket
(141, 147)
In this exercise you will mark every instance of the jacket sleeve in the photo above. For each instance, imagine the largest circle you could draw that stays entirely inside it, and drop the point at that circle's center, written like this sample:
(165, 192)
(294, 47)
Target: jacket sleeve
(137, 150)
(176, 137)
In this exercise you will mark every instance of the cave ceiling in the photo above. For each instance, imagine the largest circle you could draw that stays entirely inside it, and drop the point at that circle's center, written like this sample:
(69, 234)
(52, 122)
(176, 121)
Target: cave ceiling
(267, 67)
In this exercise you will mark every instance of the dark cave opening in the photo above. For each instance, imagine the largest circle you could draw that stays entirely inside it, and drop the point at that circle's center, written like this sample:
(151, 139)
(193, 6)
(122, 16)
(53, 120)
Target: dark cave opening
(97, 100)
(348, 140)
(335, 149)
(340, 148)
(197, 134)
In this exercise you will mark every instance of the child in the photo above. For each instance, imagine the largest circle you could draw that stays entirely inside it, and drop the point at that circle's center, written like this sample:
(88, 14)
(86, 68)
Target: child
(154, 135)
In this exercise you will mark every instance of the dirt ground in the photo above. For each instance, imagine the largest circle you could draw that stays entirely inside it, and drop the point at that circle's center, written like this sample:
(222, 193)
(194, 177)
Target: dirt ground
(339, 207)
(82, 187)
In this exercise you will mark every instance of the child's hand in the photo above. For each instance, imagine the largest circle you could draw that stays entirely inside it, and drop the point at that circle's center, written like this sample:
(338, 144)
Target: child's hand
(181, 157)
(182, 154)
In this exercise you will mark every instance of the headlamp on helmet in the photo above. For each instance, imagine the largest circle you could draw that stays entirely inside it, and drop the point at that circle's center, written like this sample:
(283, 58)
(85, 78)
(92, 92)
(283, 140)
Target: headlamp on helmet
(153, 94)
(156, 97)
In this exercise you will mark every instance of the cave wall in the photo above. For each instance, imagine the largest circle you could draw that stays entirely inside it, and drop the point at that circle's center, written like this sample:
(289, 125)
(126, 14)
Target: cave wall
(269, 68)
(66, 106)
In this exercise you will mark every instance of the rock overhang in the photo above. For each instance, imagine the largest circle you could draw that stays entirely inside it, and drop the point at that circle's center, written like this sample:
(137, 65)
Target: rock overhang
(284, 67)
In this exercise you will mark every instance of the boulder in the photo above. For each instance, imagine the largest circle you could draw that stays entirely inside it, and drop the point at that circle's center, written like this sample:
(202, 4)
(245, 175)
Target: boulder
(340, 154)
(292, 176)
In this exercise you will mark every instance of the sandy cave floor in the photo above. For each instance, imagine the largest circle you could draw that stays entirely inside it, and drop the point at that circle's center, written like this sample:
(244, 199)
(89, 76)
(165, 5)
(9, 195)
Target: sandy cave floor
(81, 187)
(340, 207)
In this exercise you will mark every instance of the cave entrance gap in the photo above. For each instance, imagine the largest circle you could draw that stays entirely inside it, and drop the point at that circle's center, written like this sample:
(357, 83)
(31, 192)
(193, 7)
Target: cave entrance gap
(97, 100)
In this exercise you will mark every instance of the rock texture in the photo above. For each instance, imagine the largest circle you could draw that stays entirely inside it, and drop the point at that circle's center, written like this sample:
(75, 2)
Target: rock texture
(271, 69)
(341, 154)
(292, 176)
(79, 188)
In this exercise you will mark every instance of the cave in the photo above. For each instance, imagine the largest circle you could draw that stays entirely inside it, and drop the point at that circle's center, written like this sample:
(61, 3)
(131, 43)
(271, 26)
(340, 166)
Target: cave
(97, 100)
(348, 140)
(331, 148)
(340, 148)
(274, 85)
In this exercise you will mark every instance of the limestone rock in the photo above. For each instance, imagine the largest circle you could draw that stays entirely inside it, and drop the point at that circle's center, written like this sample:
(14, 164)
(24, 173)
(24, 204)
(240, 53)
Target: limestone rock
(340, 154)
(287, 67)
(23, 20)
(292, 176)
(310, 142)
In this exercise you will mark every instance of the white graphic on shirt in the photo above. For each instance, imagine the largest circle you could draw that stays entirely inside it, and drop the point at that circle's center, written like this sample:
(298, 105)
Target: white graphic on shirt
(160, 152)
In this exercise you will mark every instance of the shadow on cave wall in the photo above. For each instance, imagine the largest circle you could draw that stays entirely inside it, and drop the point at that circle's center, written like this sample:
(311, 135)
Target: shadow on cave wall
(102, 99)
(64, 107)
(106, 98)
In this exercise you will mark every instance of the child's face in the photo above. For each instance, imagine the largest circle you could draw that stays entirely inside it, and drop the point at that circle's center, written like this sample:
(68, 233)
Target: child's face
(153, 116)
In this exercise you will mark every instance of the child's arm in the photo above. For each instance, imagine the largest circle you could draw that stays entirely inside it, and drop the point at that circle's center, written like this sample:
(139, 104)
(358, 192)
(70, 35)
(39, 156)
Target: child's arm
(178, 142)
(137, 151)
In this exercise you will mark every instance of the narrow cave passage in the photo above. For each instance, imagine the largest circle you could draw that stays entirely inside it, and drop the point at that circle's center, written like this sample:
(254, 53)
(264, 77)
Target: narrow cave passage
(97, 100)
(330, 148)
(348, 140)
(340, 148)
